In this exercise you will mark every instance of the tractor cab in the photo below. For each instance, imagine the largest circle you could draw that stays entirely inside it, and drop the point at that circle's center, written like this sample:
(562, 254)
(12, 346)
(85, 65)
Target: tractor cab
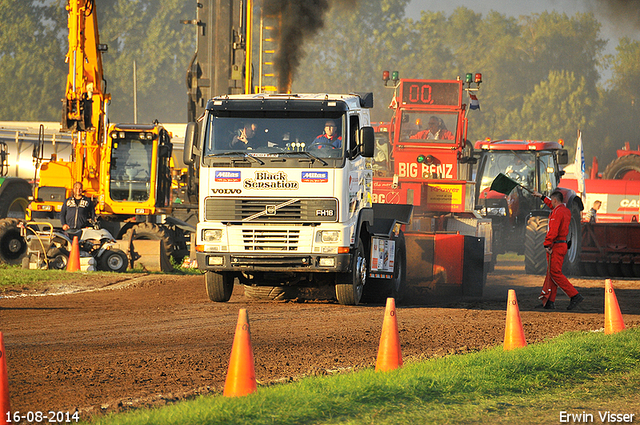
(519, 219)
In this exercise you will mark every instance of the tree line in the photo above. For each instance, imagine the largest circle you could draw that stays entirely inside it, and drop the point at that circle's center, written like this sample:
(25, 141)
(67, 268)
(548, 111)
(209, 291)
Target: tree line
(542, 72)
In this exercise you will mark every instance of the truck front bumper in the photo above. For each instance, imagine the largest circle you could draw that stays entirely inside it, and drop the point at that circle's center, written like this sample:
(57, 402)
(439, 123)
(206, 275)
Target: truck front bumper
(314, 263)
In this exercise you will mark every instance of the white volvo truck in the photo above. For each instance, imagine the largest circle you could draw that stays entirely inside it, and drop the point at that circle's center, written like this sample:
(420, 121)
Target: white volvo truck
(281, 208)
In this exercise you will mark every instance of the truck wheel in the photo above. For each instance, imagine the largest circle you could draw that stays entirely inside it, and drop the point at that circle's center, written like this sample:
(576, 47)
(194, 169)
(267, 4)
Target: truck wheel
(623, 168)
(113, 260)
(58, 259)
(151, 232)
(350, 285)
(378, 290)
(270, 292)
(14, 198)
(571, 264)
(219, 285)
(535, 256)
(398, 283)
(12, 245)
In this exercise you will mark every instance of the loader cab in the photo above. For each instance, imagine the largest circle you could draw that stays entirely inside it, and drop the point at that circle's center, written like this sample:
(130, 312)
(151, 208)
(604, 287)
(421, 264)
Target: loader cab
(138, 168)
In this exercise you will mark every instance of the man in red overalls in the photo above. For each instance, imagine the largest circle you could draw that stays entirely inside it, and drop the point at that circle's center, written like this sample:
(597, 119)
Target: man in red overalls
(556, 246)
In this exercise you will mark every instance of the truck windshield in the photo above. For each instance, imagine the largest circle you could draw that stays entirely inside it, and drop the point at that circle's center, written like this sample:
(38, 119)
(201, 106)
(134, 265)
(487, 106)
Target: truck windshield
(275, 137)
(425, 127)
(130, 169)
(519, 166)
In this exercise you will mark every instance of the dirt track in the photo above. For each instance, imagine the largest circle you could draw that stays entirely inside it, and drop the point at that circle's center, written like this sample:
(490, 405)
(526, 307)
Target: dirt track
(156, 339)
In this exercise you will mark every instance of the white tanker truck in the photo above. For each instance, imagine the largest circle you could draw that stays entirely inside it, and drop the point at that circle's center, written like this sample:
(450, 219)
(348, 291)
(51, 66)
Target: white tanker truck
(22, 146)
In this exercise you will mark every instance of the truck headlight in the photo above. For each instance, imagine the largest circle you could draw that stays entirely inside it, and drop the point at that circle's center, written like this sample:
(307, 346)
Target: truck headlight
(211, 235)
(501, 211)
(329, 235)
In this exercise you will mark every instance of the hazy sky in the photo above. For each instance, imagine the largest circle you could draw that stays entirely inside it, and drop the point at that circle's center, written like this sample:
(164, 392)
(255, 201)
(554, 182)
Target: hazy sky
(614, 25)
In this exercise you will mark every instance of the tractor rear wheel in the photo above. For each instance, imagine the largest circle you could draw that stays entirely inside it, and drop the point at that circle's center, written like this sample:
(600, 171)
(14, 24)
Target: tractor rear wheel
(535, 256)
(571, 265)
(151, 232)
(623, 168)
(14, 198)
(12, 245)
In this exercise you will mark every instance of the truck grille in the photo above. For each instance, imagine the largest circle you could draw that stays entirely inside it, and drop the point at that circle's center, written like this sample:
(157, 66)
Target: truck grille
(271, 210)
(270, 240)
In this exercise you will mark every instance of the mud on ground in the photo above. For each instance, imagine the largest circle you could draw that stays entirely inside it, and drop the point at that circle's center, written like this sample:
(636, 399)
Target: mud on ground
(150, 340)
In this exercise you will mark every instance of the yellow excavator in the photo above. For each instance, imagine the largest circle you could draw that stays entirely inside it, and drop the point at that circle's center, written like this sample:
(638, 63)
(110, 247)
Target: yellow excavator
(124, 168)
(128, 169)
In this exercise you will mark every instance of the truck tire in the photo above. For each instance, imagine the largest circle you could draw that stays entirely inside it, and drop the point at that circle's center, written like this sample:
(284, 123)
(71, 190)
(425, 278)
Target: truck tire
(219, 286)
(113, 260)
(151, 232)
(12, 245)
(626, 167)
(350, 285)
(58, 259)
(277, 293)
(535, 256)
(14, 198)
(378, 290)
(399, 281)
(571, 265)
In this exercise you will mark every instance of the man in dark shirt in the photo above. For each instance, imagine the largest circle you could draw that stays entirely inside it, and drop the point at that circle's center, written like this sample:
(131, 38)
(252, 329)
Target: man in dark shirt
(76, 210)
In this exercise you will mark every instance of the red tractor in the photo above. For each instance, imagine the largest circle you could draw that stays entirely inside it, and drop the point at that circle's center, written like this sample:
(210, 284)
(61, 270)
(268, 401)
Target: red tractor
(422, 158)
(625, 167)
(520, 220)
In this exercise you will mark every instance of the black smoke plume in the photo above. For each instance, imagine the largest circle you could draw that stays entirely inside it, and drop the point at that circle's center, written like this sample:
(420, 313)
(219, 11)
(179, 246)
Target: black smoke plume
(619, 11)
(299, 20)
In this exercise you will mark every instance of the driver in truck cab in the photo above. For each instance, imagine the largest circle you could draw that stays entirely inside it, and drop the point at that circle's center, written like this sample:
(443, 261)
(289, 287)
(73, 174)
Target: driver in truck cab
(330, 137)
(244, 137)
(436, 130)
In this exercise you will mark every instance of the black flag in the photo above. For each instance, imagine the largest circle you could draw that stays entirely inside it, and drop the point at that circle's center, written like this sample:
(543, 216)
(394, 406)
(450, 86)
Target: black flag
(503, 184)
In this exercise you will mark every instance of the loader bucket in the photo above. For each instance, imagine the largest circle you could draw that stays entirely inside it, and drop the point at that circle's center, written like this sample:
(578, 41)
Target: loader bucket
(147, 255)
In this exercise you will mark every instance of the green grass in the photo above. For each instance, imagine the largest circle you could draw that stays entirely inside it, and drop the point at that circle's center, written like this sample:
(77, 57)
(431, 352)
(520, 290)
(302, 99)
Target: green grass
(575, 372)
(17, 276)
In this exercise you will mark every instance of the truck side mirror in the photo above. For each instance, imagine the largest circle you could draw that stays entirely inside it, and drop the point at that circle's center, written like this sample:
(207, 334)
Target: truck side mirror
(189, 143)
(563, 157)
(367, 141)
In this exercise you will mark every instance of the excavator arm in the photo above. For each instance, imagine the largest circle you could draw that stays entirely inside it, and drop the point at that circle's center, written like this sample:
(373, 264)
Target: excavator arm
(84, 102)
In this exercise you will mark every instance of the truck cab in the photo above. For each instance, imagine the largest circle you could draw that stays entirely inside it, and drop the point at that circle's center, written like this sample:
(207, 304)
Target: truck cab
(285, 194)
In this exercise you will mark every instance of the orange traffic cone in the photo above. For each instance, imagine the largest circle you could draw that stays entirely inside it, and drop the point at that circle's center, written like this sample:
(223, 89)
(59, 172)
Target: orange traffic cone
(73, 265)
(389, 353)
(241, 376)
(4, 384)
(513, 333)
(612, 317)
